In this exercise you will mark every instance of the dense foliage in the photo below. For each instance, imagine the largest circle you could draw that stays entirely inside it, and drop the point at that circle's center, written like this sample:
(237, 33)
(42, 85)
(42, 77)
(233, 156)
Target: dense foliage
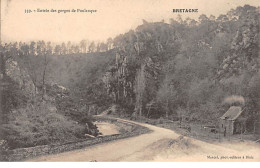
(187, 68)
(183, 69)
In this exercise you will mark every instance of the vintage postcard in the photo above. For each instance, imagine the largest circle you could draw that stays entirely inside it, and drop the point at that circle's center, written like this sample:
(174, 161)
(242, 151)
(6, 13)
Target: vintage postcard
(129, 81)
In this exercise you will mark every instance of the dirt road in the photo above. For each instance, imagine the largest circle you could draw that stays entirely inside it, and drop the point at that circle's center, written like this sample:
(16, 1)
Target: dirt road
(160, 145)
(106, 128)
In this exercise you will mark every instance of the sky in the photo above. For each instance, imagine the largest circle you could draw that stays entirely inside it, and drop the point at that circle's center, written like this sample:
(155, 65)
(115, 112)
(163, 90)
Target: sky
(113, 17)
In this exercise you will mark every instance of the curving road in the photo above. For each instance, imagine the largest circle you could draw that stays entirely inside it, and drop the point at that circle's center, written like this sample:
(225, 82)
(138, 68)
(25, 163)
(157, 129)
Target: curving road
(159, 145)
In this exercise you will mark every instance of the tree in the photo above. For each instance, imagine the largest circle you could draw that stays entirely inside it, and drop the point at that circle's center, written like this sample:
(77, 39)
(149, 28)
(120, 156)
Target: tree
(139, 90)
(164, 96)
(103, 47)
(32, 48)
(179, 19)
(98, 47)
(203, 18)
(69, 47)
(222, 18)
(63, 49)
(92, 47)
(45, 63)
(212, 18)
(6, 53)
(2, 72)
(83, 46)
(57, 50)
(77, 49)
(109, 43)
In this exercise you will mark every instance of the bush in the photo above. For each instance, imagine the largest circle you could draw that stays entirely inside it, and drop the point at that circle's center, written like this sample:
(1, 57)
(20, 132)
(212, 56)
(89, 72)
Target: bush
(40, 124)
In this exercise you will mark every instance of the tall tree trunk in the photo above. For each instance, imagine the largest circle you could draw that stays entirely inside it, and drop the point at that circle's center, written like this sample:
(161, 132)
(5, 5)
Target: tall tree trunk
(1, 89)
(140, 88)
(35, 88)
(43, 83)
(43, 78)
(1, 79)
(167, 110)
(118, 90)
(140, 112)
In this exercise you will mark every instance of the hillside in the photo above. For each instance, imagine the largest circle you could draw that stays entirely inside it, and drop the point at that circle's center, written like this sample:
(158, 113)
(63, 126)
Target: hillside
(182, 70)
(185, 69)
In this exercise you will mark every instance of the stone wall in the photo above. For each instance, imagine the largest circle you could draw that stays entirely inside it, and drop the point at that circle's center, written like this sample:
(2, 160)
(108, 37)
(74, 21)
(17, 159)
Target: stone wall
(31, 152)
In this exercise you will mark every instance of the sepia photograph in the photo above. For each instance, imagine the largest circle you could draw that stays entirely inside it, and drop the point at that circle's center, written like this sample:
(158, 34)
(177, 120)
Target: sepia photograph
(129, 81)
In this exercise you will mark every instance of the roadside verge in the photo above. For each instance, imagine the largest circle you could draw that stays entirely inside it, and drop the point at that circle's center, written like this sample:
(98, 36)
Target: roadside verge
(22, 154)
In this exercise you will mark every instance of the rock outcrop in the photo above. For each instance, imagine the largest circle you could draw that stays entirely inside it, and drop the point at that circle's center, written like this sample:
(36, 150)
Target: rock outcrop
(22, 78)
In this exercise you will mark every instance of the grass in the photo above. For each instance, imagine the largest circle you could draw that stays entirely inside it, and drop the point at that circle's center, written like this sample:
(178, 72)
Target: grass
(37, 125)
(196, 130)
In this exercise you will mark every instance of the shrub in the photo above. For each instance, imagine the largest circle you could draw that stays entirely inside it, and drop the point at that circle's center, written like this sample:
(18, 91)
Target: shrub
(39, 124)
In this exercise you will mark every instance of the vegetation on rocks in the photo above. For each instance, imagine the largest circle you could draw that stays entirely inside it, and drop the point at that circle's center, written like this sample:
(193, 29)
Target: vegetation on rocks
(186, 68)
